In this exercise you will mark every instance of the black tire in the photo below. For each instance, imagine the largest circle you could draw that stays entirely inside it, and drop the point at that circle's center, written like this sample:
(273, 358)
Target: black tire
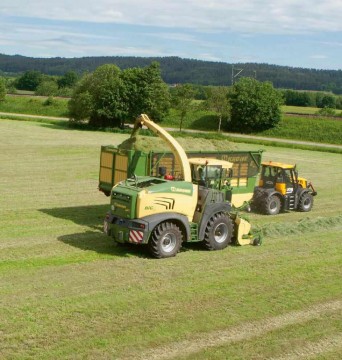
(257, 200)
(305, 202)
(271, 205)
(165, 240)
(218, 232)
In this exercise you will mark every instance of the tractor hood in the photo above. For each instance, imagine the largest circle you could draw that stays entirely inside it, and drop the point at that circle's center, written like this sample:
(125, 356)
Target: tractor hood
(125, 194)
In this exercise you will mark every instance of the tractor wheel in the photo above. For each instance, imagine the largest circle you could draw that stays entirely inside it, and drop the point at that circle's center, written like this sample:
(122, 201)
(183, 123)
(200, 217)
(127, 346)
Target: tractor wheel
(165, 240)
(257, 200)
(271, 205)
(305, 202)
(218, 232)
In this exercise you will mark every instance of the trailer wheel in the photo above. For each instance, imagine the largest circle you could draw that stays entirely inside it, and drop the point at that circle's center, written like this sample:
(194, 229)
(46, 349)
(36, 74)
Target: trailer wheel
(271, 205)
(305, 202)
(218, 232)
(165, 240)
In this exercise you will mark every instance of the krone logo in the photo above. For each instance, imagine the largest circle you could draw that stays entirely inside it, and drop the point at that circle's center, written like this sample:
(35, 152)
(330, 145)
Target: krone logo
(186, 191)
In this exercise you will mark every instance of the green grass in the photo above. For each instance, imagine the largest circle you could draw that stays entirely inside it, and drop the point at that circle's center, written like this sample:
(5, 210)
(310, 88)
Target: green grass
(34, 106)
(307, 129)
(67, 292)
(299, 110)
(318, 129)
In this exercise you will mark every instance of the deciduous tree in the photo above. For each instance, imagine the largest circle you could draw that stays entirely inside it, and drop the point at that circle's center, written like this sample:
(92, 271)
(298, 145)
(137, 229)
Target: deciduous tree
(255, 106)
(217, 100)
(29, 80)
(2, 89)
(182, 98)
(47, 88)
(69, 79)
(109, 97)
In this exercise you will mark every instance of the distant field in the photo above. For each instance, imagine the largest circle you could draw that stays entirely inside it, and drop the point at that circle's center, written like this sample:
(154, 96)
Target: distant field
(317, 129)
(67, 293)
(34, 106)
(321, 130)
(299, 110)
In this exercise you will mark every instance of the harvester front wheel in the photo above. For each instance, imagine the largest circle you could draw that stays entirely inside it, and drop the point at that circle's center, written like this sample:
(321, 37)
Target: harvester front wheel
(218, 232)
(271, 205)
(305, 202)
(165, 241)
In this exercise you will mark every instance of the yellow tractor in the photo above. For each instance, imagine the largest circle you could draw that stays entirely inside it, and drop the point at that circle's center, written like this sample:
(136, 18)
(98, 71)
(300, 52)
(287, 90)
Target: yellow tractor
(281, 189)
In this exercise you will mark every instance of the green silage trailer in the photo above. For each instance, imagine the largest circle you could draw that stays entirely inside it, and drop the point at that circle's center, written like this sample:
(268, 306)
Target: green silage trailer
(119, 164)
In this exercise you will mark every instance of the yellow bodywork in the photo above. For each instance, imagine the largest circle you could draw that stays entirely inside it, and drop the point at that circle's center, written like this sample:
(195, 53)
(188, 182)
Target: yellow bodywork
(239, 199)
(281, 187)
(156, 203)
(243, 228)
(278, 164)
(205, 161)
(302, 182)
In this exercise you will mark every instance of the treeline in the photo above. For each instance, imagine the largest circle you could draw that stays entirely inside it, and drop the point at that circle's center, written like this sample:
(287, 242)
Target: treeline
(318, 99)
(54, 85)
(175, 70)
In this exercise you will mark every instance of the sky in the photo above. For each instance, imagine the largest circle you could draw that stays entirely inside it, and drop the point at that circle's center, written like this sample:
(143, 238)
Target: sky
(295, 33)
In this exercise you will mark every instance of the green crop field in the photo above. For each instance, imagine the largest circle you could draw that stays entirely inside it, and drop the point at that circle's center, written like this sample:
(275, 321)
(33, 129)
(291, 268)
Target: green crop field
(67, 293)
(306, 110)
(35, 105)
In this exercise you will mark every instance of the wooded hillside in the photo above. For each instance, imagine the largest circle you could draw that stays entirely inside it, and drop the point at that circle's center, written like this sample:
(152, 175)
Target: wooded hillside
(177, 70)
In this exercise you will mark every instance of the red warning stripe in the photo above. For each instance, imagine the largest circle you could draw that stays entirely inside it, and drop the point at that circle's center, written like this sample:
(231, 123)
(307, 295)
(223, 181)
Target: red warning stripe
(136, 236)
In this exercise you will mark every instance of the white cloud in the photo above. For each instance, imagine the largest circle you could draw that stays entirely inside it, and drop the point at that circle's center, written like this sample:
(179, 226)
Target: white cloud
(216, 30)
(257, 16)
(319, 57)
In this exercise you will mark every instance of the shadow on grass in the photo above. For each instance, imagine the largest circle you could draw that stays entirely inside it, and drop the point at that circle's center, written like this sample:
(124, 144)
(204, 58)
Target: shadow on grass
(92, 238)
(91, 216)
(103, 244)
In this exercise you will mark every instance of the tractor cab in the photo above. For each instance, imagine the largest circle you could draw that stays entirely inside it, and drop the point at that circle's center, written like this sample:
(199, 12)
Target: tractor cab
(211, 173)
(279, 176)
(281, 189)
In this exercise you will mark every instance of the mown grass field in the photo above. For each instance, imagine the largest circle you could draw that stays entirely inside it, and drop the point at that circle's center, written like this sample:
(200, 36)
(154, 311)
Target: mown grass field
(67, 293)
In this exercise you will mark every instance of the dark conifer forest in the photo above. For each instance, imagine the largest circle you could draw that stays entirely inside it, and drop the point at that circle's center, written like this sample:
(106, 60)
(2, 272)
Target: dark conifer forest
(176, 70)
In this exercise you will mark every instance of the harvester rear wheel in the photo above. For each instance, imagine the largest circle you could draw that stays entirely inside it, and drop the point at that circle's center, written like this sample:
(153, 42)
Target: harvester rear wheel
(218, 232)
(165, 240)
(271, 205)
(305, 202)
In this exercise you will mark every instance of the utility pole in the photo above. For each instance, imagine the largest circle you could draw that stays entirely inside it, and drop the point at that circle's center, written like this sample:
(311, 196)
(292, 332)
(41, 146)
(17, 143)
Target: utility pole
(239, 71)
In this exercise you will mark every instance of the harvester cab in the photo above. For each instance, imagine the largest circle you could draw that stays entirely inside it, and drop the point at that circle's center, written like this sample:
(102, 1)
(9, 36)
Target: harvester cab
(163, 212)
(280, 189)
(212, 173)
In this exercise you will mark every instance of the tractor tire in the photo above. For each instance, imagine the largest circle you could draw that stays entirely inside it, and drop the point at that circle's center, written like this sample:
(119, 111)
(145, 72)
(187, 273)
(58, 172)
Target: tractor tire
(218, 232)
(271, 205)
(256, 202)
(165, 240)
(305, 202)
